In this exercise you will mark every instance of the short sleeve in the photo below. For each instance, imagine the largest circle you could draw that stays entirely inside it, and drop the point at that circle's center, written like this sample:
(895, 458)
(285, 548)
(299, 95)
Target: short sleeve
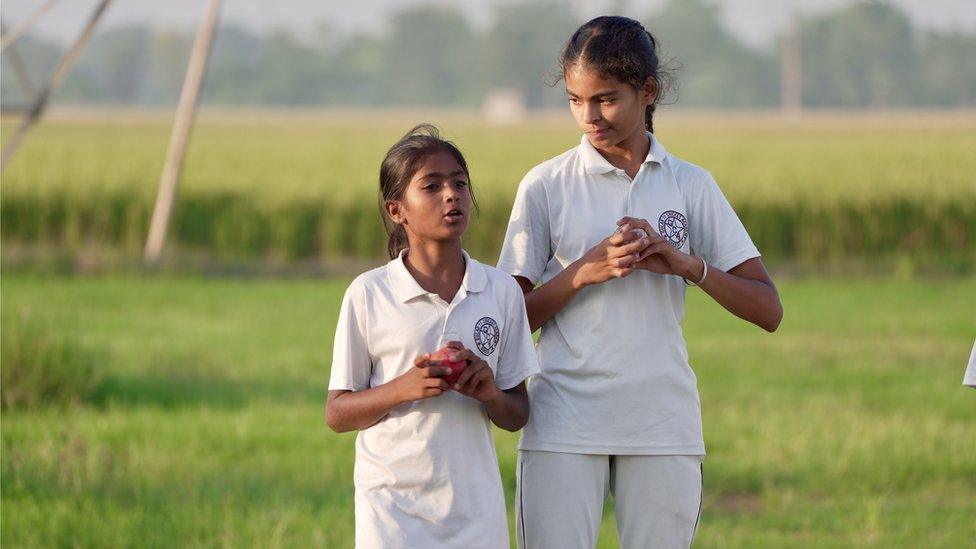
(526, 249)
(351, 365)
(517, 360)
(716, 234)
(970, 376)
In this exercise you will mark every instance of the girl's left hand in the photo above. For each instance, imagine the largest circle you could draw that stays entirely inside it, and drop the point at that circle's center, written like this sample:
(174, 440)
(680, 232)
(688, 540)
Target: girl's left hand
(477, 380)
(659, 256)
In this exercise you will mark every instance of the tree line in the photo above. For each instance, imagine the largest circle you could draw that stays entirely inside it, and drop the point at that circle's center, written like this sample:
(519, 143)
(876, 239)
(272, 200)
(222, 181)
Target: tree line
(862, 55)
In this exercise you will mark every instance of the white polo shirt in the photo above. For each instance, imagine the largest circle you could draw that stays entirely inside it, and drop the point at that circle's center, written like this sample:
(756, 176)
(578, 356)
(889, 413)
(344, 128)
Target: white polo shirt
(970, 377)
(615, 372)
(426, 475)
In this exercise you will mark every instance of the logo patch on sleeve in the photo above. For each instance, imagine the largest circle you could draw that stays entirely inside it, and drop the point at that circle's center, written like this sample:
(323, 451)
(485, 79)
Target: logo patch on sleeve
(673, 226)
(486, 335)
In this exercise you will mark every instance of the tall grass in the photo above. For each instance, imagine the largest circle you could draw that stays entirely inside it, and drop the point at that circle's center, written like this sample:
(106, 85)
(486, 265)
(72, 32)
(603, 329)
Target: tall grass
(41, 365)
(849, 427)
(298, 189)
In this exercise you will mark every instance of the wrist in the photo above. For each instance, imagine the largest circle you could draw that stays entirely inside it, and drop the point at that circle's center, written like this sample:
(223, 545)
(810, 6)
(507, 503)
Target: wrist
(696, 272)
(396, 393)
(577, 276)
(495, 398)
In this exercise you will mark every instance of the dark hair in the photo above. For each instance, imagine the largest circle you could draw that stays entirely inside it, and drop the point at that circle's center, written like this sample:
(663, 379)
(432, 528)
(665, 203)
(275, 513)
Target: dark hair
(618, 47)
(399, 166)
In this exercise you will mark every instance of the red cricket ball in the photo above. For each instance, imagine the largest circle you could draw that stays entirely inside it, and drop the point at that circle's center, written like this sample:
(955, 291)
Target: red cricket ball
(456, 367)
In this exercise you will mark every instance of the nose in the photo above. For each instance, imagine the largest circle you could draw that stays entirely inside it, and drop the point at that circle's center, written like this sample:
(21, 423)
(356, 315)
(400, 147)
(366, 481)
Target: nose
(451, 193)
(591, 112)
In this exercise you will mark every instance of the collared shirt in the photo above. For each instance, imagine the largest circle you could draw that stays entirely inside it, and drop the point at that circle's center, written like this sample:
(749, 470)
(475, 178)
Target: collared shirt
(970, 377)
(426, 475)
(615, 372)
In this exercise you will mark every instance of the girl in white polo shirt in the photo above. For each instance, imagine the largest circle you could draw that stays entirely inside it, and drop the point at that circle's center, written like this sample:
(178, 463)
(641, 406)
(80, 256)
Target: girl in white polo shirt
(426, 474)
(604, 240)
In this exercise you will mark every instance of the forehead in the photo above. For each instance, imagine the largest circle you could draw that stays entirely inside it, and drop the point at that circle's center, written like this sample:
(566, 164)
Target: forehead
(582, 82)
(440, 162)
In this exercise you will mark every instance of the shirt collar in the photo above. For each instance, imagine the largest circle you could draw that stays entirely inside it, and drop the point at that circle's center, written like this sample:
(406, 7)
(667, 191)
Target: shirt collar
(595, 164)
(405, 286)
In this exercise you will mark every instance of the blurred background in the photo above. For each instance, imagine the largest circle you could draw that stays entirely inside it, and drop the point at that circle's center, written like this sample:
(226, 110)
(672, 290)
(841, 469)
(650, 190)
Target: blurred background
(182, 404)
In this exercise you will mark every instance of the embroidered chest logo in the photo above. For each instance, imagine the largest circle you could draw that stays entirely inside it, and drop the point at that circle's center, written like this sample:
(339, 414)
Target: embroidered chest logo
(674, 227)
(486, 335)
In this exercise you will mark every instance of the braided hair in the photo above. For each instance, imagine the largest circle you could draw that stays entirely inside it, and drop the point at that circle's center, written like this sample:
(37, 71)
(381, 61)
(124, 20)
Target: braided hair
(619, 47)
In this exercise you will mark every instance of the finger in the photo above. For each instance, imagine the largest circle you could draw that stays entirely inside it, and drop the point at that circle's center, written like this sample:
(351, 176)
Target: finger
(654, 238)
(466, 375)
(483, 376)
(436, 371)
(421, 361)
(623, 226)
(617, 239)
(625, 261)
(432, 392)
(651, 231)
(454, 345)
(622, 272)
(437, 382)
(656, 248)
(634, 247)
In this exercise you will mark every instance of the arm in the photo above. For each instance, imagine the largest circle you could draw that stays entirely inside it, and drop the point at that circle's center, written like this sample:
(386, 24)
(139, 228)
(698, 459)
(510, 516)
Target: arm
(614, 257)
(508, 409)
(354, 410)
(746, 290)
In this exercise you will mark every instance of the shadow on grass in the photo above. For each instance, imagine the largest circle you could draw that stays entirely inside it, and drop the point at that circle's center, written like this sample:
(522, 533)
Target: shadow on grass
(182, 391)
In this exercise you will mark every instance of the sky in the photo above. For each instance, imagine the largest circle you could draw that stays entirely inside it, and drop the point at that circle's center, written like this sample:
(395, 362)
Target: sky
(754, 21)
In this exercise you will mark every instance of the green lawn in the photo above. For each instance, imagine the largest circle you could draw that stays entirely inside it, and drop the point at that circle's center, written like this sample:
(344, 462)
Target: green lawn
(848, 427)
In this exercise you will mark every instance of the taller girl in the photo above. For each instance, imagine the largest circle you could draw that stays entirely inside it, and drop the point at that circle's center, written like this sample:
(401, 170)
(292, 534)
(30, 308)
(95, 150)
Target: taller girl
(604, 240)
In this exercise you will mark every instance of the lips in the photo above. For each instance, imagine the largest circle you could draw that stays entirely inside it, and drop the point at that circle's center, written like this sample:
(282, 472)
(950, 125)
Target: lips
(454, 213)
(599, 133)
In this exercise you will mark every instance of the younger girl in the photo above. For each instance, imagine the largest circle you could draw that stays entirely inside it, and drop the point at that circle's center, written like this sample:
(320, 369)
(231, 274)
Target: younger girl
(426, 474)
(604, 240)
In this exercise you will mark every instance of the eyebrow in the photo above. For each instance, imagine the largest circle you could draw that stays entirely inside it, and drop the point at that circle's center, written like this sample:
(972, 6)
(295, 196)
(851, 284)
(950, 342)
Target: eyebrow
(598, 95)
(439, 175)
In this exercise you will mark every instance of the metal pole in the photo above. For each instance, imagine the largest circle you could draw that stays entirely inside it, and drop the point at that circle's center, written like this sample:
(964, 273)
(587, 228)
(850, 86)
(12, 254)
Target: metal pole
(21, 28)
(26, 89)
(180, 134)
(40, 102)
(791, 69)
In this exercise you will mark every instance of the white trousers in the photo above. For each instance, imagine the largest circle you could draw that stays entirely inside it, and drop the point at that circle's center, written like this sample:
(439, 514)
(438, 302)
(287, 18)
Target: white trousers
(560, 496)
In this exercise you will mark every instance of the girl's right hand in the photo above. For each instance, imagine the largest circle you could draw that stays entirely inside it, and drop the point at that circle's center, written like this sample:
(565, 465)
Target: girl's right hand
(421, 381)
(613, 257)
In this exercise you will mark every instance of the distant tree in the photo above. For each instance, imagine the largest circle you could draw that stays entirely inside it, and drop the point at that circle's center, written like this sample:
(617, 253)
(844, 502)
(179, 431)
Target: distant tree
(112, 69)
(430, 57)
(947, 70)
(170, 51)
(38, 57)
(714, 68)
(235, 74)
(354, 72)
(861, 55)
(522, 48)
(864, 55)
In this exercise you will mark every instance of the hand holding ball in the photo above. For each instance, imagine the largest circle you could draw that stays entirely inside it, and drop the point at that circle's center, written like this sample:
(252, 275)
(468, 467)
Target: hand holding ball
(442, 357)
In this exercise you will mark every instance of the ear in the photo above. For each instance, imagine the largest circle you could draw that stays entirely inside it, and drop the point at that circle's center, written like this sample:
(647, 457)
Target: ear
(394, 209)
(650, 90)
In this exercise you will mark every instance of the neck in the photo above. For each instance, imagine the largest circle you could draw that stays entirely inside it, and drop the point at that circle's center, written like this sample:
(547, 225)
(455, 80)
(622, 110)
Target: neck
(630, 153)
(438, 266)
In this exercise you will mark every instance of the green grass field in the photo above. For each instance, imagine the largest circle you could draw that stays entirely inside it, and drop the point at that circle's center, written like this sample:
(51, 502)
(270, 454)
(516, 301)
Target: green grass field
(303, 185)
(848, 427)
